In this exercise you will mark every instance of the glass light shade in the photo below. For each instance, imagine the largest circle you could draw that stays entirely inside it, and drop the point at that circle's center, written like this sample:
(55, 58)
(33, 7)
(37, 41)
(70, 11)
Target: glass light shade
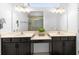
(22, 9)
(58, 10)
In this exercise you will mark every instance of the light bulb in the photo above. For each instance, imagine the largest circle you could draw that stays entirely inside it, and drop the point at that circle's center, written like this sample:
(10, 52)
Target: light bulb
(60, 10)
(28, 10)
(53, 10)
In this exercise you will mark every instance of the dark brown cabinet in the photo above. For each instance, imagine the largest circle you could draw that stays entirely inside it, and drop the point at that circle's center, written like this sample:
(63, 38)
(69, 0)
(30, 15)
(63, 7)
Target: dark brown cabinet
(57, 46)
(16, 46)
(70, 46)
(24, 49)
(63, 45)
(8, 49)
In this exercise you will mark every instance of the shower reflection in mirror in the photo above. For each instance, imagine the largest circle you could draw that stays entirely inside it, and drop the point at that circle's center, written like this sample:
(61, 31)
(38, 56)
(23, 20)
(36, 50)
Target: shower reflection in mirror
(2, 21)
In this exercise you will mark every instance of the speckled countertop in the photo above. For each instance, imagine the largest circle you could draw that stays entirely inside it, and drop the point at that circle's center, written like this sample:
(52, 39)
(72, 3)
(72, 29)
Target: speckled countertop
(17, 34)
(44, 37)
(34, 35)
(61, 33)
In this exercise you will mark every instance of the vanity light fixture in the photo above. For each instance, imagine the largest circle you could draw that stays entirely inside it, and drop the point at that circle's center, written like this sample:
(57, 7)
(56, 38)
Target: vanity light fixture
(58, 10)
(23, 8)
(19, 8)
(28, 9)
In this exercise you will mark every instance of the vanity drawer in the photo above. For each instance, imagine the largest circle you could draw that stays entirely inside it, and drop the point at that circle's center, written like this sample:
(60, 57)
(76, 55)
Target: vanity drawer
(15, 39)
(20, 39)
(72, 38)
(27, 39)
(64, 38)
(6, 39)
(11, 40)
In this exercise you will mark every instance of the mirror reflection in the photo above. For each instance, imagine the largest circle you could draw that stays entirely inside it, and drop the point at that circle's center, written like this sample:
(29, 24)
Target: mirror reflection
(31, 16)
(48, 16)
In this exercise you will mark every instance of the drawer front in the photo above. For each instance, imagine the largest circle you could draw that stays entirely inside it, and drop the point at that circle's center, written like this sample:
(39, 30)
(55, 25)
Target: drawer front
(25, 39)
(6, 39)
(56, 38)
(72, 38)
(21, 40)
(16, 40)
(64, 38)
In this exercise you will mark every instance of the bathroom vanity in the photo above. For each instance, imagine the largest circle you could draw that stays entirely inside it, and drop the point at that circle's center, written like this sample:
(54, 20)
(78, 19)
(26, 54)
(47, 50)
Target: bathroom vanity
(60, 43)
(16, 43)
(16, 46)
(63, 43)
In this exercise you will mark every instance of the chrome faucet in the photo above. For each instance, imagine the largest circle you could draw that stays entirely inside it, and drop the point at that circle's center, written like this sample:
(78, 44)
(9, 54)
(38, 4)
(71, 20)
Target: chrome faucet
(58, 32)
(21, 32)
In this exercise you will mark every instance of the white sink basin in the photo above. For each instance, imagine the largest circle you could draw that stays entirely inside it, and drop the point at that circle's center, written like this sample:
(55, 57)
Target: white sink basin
(61, 33)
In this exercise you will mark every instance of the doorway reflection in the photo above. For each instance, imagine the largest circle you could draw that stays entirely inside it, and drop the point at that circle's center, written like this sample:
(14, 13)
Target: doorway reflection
(35, 20)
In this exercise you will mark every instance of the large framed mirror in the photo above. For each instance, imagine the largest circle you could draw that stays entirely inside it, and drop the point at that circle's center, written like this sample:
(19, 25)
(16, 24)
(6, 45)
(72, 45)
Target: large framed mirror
(36, 16)
(54, 17)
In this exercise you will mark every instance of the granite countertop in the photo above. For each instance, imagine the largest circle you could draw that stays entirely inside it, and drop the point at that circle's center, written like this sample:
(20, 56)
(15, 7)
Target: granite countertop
(17, 34)
(34, 34)
(61, 33)
(37, 37)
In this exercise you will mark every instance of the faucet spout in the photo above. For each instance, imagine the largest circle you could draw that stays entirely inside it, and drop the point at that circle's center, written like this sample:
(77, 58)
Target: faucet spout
(21, 32)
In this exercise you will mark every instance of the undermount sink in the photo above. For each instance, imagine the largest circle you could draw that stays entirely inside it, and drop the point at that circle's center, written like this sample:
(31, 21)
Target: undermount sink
(18, 34)
(61, 33)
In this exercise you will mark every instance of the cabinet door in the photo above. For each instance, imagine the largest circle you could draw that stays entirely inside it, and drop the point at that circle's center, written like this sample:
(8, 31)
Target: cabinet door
(57, 46)
(70, 46)
(9, 49)
(24, 48)
(16, 46)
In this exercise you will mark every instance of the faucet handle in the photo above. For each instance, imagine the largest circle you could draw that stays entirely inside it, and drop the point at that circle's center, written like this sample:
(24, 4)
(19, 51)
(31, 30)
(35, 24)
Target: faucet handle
(21, 32)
